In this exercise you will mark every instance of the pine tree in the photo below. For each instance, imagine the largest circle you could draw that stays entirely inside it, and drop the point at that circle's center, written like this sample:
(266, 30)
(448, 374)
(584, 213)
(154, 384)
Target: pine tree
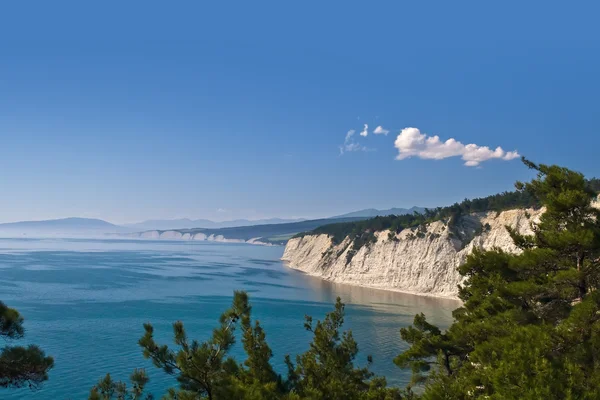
(107, 389)
(529, 325)
(20, 366)
(327, 370)
(203, 370)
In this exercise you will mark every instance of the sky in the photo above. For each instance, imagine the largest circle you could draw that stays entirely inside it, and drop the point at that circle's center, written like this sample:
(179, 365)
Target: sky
(128, 111)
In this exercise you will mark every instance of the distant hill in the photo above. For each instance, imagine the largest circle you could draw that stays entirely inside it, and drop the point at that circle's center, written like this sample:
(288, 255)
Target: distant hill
(186, 223)
(276, 228)
(70, 226)
(372, 212)
(268, 233)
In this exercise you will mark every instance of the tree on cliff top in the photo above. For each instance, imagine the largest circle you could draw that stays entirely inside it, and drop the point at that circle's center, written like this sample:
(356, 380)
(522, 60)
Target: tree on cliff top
(20, 366)
(529, 327)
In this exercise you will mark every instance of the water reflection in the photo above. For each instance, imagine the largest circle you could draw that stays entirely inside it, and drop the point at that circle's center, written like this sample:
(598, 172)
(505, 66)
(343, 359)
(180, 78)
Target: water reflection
(438, 310)
(375, 317)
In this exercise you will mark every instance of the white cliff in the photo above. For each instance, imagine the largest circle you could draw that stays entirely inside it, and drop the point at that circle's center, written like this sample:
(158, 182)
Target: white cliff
(420, 261)
(171, 235)
(176, 235)
(148, 235)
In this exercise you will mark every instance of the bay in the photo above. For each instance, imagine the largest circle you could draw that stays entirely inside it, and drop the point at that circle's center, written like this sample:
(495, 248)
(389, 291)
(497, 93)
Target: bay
(85, 301)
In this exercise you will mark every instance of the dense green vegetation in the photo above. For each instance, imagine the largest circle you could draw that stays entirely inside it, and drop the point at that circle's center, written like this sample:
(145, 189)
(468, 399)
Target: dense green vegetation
(529, 327)
(362, 232)
(594, 184)
(20, 366)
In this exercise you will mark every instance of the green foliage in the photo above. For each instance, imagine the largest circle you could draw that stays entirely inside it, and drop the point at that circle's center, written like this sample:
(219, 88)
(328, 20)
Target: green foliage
(594, 184)
(107, 389)
(425, 340)
(361, 233)
(20, 366)
(349, 255)
(433, 236)
(204, 371)
(326, 370)
(529, 325)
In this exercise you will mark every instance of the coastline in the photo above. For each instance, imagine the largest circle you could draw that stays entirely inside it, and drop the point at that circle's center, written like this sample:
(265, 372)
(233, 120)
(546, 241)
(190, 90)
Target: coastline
(173, 235)
(287, 264)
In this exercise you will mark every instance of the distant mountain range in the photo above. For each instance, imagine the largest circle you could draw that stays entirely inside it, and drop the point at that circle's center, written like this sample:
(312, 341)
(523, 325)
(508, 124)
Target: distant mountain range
(266, 233)
(64, 226)
(97, 227)
(186, 223)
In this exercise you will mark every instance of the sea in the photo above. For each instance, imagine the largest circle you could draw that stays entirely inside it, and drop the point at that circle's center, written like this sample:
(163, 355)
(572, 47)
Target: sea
(85, 302)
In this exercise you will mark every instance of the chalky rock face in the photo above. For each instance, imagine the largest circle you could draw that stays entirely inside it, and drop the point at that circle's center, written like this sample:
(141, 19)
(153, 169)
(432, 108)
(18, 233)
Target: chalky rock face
(176, 235)
(150, 235)
(171, 235)
(200, 236)
(420, 261)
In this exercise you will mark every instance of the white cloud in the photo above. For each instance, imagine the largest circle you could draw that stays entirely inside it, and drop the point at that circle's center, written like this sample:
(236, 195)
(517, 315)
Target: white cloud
(365, 131)
(380, 131)
(350, 144)
(412, 143)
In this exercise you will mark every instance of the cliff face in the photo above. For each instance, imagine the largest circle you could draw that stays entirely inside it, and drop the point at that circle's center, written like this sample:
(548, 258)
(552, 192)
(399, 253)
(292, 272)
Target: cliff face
(176, 235)
(420, 261)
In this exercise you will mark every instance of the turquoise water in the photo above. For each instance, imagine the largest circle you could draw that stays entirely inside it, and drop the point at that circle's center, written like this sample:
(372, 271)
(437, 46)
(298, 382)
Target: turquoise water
(84, 303)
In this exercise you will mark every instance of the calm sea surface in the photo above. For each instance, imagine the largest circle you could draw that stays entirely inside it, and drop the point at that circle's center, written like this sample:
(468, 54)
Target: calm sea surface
(84, 303)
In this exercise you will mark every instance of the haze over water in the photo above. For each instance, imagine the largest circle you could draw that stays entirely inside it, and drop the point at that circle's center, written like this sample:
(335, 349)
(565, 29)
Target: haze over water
(84, 303)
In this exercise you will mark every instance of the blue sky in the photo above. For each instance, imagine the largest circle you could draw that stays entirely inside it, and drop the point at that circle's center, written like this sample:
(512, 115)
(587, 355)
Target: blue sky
(126, 111)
